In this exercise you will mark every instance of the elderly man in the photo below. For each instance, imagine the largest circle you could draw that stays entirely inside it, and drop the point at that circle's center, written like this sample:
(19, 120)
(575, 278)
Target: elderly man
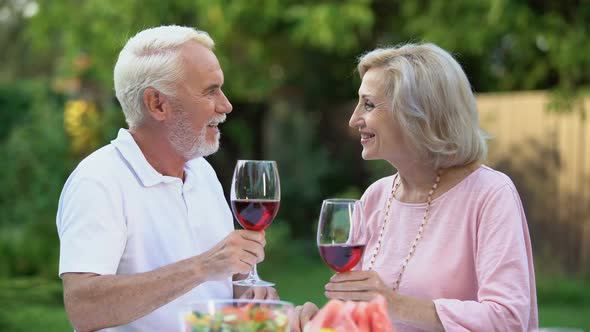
(143, 223)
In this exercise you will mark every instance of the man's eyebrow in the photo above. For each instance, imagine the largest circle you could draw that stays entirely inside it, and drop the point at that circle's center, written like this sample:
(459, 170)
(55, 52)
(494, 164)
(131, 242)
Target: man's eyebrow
(212, 87)
(365, 95)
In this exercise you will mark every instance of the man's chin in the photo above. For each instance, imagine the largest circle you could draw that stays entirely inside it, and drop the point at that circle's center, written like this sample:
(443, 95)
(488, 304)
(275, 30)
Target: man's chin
(208, 153)
(205, 151)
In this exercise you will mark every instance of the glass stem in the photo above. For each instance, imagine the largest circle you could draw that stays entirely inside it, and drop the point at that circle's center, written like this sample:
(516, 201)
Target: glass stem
(254, 273)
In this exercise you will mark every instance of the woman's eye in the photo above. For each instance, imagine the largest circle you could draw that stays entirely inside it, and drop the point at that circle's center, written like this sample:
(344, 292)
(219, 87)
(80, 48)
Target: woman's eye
(369, 106)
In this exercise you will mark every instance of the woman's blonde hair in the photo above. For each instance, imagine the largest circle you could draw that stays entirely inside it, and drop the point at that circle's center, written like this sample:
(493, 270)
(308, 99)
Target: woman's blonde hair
(433, 102)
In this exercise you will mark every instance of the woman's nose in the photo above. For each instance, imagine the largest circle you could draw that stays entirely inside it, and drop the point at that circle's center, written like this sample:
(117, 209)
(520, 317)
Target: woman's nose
(355, 120)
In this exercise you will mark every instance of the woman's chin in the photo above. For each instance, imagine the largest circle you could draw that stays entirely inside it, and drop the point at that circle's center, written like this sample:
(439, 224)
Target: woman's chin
(368, 155)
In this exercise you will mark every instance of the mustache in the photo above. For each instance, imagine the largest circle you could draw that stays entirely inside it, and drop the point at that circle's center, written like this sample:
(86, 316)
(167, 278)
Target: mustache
(218, 120)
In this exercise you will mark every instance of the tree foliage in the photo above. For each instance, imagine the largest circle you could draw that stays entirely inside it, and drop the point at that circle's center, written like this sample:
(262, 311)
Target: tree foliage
(289, 68)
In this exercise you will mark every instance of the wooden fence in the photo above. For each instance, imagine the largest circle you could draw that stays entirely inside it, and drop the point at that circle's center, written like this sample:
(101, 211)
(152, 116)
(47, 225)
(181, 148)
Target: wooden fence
(547, 155)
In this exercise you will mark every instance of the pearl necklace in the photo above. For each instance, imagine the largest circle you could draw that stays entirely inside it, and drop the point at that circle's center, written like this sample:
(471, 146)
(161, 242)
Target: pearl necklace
(420, 230)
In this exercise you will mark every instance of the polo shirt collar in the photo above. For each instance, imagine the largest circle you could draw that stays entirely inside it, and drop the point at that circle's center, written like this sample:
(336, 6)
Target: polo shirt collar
(136, 160)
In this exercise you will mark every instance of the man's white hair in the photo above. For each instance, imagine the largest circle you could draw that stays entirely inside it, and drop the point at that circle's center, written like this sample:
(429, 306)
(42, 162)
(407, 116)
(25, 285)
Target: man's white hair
(151, 58)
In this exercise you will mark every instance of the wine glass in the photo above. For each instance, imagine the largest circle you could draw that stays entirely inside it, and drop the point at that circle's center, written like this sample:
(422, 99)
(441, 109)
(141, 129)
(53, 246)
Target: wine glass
(255, 198)
(338, 234)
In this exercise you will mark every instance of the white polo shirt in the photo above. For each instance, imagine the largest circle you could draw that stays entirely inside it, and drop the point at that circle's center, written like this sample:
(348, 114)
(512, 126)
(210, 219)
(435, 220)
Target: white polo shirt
(118, 215)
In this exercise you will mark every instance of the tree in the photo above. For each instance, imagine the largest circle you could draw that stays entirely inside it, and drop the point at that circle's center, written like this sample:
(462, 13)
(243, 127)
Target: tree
(289, 68)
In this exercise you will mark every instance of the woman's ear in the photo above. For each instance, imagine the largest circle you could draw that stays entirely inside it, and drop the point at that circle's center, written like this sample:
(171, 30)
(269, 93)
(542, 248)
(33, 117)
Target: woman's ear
(156, 104)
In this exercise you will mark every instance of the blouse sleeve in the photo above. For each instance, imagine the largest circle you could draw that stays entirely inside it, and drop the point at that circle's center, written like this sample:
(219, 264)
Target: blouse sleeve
(503, 268)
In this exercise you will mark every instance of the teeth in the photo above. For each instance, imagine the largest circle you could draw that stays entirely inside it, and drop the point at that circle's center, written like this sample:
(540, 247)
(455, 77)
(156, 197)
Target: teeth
(366, 136)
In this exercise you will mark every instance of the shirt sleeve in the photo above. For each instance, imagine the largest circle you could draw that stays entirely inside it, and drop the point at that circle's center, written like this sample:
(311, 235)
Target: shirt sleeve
(502, 268)
(91, 228)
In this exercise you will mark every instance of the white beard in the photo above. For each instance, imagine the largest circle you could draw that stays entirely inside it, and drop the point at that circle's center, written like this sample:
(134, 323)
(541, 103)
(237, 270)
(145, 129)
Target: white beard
(186, 143)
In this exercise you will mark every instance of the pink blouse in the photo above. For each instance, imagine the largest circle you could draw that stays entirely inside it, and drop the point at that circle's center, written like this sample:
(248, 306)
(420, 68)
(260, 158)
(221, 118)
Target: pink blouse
(474, 259)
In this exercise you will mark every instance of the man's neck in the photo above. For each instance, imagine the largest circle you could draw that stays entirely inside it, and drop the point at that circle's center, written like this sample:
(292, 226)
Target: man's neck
(158, 152)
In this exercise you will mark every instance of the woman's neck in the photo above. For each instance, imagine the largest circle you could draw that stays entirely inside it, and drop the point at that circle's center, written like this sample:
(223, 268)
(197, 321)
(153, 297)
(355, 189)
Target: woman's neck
(417, 181)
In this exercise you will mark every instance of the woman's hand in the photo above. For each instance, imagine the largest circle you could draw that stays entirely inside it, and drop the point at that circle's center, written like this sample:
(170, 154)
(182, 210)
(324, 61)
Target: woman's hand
(302, 315)
(366, 285)
(358, 286)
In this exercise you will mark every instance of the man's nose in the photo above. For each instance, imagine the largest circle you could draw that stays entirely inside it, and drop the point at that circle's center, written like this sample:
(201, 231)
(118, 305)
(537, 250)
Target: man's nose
(226, 106)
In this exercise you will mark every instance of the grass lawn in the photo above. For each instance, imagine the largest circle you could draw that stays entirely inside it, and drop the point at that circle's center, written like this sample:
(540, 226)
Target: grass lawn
(36, 304)
(33, 317)
(32, 304)
(564, 316)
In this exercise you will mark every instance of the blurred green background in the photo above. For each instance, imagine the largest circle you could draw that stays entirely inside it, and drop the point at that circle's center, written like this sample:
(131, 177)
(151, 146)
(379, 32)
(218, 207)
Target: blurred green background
(289, 69)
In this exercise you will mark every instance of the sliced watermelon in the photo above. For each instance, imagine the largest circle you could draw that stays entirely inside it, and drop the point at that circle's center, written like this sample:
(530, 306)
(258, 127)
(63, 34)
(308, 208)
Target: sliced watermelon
(326, 317)
(361, 317)
(352, 316)
(378, 318)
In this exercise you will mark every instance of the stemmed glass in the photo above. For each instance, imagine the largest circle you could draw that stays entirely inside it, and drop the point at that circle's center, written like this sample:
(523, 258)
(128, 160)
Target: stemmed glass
(255, 199)
(337, 238)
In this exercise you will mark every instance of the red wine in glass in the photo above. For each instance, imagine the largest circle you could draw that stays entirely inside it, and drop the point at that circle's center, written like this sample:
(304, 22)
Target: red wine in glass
(338, 233)
(255, 214)
(255, 199)
(341, 257)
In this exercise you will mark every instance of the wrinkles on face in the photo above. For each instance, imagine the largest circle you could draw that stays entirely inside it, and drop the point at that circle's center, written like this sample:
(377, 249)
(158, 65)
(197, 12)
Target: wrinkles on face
(199, 106)
(212, 96)
(380, 112)
(373, 100)
(191, 143)
(380, 133)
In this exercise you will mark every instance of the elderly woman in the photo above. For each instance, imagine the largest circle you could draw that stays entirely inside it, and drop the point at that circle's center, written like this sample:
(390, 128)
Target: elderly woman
(446, 237)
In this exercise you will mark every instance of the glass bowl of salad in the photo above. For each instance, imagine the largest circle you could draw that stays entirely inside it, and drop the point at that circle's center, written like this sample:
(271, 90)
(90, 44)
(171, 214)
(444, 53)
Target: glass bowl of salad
(237, 316)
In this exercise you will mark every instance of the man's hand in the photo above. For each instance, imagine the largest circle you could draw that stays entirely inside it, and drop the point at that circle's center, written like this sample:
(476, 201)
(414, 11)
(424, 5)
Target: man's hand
(302, 315)
(260, 293)
(119, 299)
(236, 254)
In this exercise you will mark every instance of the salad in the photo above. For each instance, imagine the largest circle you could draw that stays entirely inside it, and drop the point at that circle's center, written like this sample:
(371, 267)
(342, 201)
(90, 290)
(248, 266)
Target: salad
(242, 318)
